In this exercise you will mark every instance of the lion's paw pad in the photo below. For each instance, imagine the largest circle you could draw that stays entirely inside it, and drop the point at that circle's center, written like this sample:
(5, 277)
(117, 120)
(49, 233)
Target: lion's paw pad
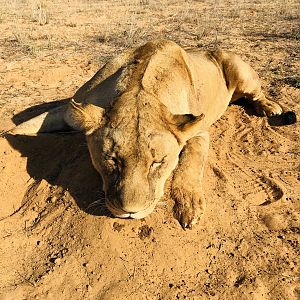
(188, 215)
(271, 108)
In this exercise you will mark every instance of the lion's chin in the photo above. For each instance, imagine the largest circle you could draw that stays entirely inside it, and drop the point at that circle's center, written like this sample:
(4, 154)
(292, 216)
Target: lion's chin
(119, 213)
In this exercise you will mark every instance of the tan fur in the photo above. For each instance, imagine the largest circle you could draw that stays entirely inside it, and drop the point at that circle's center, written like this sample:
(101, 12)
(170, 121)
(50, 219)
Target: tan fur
(146, 116)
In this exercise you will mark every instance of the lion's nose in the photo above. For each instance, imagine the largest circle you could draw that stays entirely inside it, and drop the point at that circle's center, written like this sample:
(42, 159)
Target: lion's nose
(132, 208)
(131, 205)
(131, 200)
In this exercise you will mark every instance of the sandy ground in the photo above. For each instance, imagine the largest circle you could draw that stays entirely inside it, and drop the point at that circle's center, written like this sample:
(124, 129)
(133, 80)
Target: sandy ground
(54, 246)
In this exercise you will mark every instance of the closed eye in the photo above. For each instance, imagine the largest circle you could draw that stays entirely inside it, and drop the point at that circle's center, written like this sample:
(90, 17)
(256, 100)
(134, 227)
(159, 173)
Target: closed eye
(156, 164)
(112, 163)
(113, 169)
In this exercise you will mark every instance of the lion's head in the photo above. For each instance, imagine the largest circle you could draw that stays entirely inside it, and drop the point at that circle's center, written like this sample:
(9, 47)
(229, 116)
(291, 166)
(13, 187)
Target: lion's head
(135, 146)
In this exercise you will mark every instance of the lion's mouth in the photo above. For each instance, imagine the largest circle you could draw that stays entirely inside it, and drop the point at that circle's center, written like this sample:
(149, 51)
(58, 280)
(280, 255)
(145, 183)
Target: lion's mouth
(120, 213)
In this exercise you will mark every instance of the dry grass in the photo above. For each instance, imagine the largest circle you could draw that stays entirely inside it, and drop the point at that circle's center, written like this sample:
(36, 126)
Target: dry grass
(98, 30)
(125, 23)
(93, 31)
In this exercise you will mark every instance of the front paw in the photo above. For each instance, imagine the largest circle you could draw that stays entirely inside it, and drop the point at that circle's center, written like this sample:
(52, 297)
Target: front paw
(189, 206)
(268, 107)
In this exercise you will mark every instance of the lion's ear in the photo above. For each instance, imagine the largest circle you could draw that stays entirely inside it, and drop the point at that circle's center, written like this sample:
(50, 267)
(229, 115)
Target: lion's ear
(184, 126)
(84, 117)
(187, 125)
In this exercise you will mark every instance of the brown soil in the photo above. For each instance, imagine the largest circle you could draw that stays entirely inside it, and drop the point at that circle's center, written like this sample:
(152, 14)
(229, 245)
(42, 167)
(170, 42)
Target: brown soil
(55, 245)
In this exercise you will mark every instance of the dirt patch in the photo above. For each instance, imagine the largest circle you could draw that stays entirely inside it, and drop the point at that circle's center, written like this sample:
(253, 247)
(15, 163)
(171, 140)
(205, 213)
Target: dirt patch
(58, 241)
(118, 227)
(145, 232)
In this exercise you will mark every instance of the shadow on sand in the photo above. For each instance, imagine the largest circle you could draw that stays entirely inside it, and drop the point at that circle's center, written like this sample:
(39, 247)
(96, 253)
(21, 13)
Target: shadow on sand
(63, 159)
(286, 118)
(60, 159)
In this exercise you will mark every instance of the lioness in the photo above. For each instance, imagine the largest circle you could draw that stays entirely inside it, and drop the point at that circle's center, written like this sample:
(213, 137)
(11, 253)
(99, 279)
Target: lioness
(146, 115)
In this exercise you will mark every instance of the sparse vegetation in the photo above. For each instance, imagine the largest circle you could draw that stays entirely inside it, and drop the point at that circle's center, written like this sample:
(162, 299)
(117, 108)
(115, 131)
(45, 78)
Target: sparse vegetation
(39, 12)
(53, 249)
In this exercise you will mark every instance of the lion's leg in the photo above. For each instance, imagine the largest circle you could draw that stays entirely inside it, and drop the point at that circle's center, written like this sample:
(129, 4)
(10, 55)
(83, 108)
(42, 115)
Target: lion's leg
(264, 106)
(51, 121)
(187, 181)
(244, 82)
(254, 94)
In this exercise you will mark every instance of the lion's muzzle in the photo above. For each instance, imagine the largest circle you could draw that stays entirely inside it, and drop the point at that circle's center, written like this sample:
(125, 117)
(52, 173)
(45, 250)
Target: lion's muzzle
(133, 212)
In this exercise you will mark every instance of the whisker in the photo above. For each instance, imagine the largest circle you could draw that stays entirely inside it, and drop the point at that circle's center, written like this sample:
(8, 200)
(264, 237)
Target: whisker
(96, 204)
(102, 209)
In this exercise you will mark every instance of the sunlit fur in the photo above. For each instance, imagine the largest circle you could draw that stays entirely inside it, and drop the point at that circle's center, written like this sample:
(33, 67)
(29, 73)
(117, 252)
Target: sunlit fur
(146, 115)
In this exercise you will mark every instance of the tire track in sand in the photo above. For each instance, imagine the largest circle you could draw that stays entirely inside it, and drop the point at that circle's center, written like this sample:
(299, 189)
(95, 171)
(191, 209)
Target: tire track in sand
(245, 154)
